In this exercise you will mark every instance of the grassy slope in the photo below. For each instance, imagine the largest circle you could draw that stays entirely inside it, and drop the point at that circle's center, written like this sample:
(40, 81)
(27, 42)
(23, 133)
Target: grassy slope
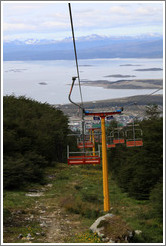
(77, 191)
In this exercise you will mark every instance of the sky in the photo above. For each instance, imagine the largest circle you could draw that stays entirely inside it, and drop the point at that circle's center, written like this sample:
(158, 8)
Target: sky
(50, 20)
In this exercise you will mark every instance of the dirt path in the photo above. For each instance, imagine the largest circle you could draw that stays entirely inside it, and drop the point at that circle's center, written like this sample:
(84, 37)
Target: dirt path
(61, 226)
(58, 225)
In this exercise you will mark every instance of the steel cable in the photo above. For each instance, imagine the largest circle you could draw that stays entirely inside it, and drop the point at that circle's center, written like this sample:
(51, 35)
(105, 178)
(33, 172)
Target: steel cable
(75, 52)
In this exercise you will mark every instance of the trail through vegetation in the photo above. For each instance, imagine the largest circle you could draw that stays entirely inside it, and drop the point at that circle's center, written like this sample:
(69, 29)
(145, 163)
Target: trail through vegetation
(45, 200)
(70, 203)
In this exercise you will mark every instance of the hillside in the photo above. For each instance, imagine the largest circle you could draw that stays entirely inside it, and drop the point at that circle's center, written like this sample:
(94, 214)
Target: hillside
(126, 84)
(47, 201)
(63, 210)
(134, 105)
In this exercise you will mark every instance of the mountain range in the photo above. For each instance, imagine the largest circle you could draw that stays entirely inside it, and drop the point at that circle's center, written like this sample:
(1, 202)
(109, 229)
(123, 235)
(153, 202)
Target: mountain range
(88, 47)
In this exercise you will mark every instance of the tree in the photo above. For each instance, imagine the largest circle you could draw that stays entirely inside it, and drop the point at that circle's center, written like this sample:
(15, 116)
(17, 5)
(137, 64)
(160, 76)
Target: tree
(35, 136)
(152, 112)
(138, 169)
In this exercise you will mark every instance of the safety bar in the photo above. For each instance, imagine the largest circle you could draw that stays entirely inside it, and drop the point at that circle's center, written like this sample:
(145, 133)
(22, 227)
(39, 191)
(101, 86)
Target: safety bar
(83, 152)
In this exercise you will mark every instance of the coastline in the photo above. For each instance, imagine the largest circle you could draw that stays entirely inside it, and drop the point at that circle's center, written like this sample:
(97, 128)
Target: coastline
(125, 84)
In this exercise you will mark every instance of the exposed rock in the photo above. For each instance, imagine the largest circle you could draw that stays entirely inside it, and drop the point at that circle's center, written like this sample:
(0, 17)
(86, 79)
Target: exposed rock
(49, 185)
(138, 232)
(34, 194)
(24, 238)
(17, 212)
(43, 224)
(105, 239)
(110, 241)
(42, 211)
(20, 236)
(112, 229)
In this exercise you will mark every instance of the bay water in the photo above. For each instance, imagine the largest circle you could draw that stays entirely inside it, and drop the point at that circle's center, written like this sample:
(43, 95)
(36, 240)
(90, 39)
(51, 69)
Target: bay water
(50, 81)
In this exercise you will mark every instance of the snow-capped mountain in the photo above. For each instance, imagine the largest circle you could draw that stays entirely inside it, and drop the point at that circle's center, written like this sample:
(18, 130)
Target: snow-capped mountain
(92, 46)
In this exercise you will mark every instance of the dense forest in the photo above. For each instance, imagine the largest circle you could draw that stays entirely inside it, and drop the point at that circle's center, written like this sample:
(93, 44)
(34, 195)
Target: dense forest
(139, 170)
(34, 136)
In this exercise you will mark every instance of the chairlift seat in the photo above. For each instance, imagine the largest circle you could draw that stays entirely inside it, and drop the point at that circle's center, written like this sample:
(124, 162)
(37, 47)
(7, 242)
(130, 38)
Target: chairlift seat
(134, 143)
(83, 160)
(118, 141)
(111, 145)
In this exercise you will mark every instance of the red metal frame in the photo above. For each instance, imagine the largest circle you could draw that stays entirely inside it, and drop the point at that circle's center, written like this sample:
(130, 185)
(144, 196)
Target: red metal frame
(118, 141)
(83, 160)
(103, 114)
(86, 145)
(134, 143)
(111, 145)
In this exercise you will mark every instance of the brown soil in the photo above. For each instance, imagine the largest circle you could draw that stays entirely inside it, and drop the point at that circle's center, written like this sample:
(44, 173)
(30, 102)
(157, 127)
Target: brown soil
(56, 225)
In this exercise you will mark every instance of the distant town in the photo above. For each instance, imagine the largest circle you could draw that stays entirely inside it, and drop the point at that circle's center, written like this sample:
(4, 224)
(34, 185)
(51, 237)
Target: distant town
(133, 108)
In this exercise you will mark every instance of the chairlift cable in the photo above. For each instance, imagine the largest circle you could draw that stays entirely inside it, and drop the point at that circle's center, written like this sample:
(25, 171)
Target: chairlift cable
(75, 52)
(76, 60)
(146, 95)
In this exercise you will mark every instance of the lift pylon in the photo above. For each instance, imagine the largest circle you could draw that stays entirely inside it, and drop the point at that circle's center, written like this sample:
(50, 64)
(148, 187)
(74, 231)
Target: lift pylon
(102, 115)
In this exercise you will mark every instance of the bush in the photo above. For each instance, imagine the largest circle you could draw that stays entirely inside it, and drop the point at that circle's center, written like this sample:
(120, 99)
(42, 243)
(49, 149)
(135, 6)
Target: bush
(6, 215)
(35, 136)
(77, 206)
(138, 169)
(20, 170)
(156, 198)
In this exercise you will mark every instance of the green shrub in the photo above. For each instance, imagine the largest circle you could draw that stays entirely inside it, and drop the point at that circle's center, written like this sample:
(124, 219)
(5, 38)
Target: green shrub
(35, 136)
(138, 169)
(20, 170)
(6, 215)
(156, 199)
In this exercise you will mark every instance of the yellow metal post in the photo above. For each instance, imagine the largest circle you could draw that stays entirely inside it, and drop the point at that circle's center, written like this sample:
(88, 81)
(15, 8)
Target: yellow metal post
(90, 139)
(93, 141)
(105, 167)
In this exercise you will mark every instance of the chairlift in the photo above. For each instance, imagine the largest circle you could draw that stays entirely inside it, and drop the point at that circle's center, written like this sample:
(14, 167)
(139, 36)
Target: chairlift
(110, 143)
(134, 141)
(118, 137)
(83, 158)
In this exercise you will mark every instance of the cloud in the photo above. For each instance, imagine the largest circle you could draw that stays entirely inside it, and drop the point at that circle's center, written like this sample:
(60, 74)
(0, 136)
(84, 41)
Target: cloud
(85, 11)
(17, 27)
(148, 10)
(53, 24)
(118, 10)
(87, 17)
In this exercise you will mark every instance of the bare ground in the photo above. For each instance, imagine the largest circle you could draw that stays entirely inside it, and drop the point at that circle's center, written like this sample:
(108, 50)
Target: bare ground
(56, 225)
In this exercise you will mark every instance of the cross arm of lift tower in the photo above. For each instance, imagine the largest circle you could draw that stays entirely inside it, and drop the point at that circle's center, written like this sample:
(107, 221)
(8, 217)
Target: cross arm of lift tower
(102, 114)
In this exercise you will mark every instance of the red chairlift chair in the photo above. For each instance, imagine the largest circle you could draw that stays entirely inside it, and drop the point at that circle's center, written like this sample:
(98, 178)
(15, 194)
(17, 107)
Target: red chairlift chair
(118, 137)
(83, 158)
(134, 141)
(110, 143)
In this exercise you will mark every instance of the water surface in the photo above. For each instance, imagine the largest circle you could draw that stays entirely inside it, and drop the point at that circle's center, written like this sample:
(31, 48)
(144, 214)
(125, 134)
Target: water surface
(49, 81)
